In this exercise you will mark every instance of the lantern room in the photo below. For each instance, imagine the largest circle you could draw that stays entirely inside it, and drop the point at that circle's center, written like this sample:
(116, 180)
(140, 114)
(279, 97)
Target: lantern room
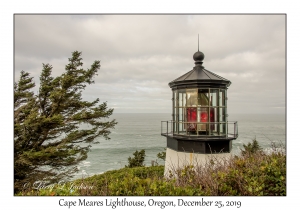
(199, 112)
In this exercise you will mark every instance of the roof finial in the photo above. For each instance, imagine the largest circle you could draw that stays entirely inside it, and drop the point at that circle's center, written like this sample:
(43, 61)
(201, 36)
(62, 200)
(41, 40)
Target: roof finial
(198, 42)
(198, 56)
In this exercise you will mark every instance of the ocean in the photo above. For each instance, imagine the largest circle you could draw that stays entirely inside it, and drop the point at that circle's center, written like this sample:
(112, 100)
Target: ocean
(142, 131)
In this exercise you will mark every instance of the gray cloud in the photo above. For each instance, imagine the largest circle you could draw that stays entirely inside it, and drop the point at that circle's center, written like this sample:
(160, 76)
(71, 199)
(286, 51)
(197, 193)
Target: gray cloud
(141, 54)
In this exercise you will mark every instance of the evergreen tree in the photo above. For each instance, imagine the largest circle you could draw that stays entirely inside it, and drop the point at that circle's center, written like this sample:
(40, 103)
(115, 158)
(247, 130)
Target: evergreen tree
(137, 160)
(49, 135)
(251, 148)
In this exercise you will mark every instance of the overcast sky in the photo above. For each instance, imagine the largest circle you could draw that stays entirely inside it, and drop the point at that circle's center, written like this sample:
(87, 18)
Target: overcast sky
(141, 54)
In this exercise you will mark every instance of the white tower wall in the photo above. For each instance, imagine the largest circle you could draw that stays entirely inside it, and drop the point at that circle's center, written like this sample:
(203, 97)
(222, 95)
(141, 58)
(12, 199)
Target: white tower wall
(177, 160)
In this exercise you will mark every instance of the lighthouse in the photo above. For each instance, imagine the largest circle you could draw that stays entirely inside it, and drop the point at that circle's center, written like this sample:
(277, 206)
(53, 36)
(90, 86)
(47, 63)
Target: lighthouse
(199, 127)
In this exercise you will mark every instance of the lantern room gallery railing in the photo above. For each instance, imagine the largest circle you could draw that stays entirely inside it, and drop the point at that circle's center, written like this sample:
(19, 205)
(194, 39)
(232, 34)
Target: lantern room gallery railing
(227, 129)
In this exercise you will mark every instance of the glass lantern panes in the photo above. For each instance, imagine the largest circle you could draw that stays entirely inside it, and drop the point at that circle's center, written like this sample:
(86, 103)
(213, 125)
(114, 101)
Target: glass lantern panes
(199, 111)
(222, 98)
(214, 97)
(213, 118)
(203, 99)
(222, 120)
(191, 97)
(202, 117)
(181, 98)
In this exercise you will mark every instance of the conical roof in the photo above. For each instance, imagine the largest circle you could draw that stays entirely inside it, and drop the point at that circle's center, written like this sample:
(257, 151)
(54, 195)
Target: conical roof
(199, 77)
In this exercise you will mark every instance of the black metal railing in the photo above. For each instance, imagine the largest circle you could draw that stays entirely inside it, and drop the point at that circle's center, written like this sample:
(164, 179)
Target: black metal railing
(227, 129)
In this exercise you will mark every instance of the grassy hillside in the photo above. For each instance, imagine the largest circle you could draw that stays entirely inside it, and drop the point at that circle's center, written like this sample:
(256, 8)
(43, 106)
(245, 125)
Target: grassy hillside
(252, 173)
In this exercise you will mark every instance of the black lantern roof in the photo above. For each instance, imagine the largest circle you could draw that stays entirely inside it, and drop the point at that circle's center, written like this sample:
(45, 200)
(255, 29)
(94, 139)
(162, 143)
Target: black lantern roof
(199, 77)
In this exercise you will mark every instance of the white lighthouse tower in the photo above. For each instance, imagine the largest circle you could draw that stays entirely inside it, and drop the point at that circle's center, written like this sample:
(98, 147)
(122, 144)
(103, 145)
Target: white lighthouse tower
(199, 127)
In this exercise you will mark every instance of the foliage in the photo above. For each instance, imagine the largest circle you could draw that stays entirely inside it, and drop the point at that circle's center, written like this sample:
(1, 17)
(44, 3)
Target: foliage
(48, 139)
(137, 160)
(254, 174)
(251, 148)
(162, 155)
(104, 184)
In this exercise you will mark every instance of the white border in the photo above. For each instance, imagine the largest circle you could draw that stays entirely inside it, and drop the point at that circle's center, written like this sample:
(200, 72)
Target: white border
(8, 8)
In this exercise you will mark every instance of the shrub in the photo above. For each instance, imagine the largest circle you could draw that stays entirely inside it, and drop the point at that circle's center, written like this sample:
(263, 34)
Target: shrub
(253, 174)
(162, 155)
(251, 148)
(137, 160)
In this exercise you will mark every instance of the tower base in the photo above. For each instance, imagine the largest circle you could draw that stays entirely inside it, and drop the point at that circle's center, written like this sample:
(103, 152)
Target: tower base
(178, 160)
